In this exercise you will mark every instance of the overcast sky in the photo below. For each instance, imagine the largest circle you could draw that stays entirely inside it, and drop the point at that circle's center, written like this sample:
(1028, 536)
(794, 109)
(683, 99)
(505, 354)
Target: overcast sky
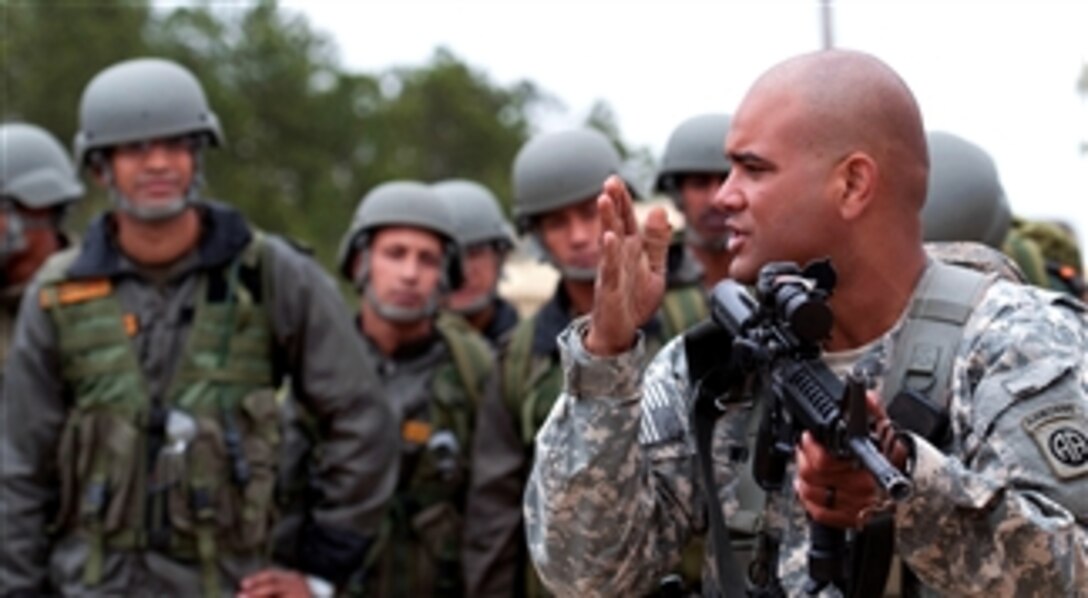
(1001, 74)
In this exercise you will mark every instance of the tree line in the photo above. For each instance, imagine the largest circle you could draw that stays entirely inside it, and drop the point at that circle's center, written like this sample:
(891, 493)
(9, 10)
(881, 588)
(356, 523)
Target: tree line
(306, 138)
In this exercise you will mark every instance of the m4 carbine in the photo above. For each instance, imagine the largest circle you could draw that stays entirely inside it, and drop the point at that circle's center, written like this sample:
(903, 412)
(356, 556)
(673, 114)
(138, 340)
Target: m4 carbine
(776, 337)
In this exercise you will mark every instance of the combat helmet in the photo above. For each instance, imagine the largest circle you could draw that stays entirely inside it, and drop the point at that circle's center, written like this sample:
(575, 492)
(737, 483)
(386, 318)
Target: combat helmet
(558, 169)
(965, 201)
(36, 173)
(696, 145)
(400, 203)
(476, 214)
(140, 100)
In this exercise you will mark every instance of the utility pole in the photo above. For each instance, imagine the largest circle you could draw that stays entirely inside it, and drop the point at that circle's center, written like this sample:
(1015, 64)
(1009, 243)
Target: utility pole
(827, 34)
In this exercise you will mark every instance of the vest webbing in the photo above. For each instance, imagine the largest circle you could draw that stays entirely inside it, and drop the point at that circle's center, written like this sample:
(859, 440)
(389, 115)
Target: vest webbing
(227, 357)
(922, 361)
(1027, 255)
(457, 390)
(683, 308)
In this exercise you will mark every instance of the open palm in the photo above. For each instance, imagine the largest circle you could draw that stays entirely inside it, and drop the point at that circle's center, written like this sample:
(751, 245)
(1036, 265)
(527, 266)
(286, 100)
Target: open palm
(631, 274)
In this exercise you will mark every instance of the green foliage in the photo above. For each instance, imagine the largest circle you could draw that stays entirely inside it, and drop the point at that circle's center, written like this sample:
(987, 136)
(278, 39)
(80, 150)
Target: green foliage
(305, 138)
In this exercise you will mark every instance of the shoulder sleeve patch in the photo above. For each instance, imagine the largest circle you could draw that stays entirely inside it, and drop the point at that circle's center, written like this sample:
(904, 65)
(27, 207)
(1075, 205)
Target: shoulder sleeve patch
(1061, 433)
(67, 293)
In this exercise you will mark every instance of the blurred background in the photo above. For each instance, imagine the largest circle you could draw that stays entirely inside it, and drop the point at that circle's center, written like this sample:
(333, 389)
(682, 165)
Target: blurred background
(320, 101)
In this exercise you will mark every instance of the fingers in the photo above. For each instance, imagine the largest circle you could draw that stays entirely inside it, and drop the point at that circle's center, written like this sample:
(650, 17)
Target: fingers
(873, 405)
(610, 331)
(833, 491)
(272, 583)
(656, 239)
(608, 273)
(616, 189)
(264, 584)
(606, 211)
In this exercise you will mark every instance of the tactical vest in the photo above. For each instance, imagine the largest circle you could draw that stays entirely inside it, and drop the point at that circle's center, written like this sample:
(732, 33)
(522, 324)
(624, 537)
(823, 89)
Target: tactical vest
(418, 550)
(918, 384)
(191, 475)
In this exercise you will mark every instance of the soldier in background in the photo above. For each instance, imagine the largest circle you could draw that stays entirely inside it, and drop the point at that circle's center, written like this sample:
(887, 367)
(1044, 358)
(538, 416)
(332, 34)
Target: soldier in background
(486, 238)
(140, 425)
(966, 202)
(1050, 252)
(692, 169)
(37, 186)
(402, 256)
(556, 178)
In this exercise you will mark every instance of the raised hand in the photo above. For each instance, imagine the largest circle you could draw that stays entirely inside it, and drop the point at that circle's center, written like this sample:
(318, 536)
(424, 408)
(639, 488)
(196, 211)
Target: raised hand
(631, 274)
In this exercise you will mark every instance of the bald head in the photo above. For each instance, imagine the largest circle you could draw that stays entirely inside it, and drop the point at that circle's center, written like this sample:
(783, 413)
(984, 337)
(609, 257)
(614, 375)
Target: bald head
(851, 101)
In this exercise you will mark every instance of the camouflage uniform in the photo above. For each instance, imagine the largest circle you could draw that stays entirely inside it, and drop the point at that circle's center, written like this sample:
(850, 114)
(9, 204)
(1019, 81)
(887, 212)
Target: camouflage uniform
(494, 549)
(1001, 511)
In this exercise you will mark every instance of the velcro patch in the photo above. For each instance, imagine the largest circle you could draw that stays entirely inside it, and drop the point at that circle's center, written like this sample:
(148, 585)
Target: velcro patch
(416, 431)
(132, 324)
(77, 291)
(1061, 433)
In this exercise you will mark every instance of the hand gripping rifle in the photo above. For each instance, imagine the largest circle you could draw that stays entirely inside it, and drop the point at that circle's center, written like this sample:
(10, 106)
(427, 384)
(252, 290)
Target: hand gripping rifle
(776, 337)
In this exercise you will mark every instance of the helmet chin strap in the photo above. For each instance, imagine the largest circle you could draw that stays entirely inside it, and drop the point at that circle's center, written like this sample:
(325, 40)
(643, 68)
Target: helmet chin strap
(568, 273)
(389, 312)
(716, 245)
(13, 242)
(163, 210)
(574, 274)
(402, 315)
(478, 304)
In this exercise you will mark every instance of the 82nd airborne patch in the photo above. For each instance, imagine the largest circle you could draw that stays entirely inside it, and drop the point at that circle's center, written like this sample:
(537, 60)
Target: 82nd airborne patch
(1061, 433)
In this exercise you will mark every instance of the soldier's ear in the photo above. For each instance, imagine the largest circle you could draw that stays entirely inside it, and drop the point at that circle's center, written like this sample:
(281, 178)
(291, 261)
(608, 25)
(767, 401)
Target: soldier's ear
(99, 168)
(853, 184)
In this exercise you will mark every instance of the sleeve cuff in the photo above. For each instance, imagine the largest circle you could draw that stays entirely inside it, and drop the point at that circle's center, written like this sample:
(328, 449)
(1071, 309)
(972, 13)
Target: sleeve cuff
(592, 376)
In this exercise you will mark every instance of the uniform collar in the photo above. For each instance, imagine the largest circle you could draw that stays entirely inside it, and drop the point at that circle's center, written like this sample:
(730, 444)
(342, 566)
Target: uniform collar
(224, 234)
(505, 318)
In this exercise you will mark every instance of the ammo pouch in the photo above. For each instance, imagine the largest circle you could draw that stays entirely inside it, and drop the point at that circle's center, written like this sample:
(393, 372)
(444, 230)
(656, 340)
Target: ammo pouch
(208, 495)
(438, 530)
(417, 552)
(118, 502)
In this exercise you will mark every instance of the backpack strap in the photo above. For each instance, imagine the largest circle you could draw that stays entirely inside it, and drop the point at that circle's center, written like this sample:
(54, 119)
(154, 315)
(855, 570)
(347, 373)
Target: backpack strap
(471, 357)
(516, 364)
(1028, 256)
(920, 376)
(926, 346)
(683, 308)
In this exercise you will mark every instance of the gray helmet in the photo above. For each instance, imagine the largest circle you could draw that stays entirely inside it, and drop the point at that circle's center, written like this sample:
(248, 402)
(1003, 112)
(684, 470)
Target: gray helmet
(555, 170)
(965, 201)
(142, 99)
(476, 213)
(35, 171)
(697, 145)
(400, 203)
